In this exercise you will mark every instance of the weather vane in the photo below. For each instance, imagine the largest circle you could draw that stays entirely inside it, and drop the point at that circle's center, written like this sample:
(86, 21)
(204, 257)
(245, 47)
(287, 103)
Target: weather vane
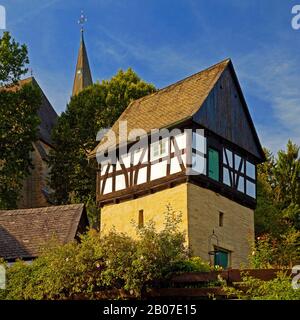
(82, 20)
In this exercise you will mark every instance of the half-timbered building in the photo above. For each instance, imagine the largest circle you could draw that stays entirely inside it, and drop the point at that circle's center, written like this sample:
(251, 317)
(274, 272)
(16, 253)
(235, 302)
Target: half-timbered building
(192, 146)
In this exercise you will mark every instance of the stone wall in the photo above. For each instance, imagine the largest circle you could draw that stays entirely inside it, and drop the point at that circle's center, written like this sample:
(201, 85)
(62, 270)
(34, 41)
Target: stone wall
(122, 215)
(200, 210)
(237, 233)
(32, 195)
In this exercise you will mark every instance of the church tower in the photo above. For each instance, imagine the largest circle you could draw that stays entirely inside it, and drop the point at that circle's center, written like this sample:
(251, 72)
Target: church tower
(83, 77)
(202, 163)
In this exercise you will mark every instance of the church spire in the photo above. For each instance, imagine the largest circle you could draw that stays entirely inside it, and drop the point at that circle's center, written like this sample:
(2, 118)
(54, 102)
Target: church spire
(83, 77)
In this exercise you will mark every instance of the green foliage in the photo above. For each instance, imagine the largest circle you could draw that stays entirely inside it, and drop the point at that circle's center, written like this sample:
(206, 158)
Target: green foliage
(13, 60)
(251, 288)
(263, 253)
(280, 252)
(193, 264)
(157, 252)
(96, 107)
(287, 174)
(101, 262)
(18, 122)
(278, 201)
(277, 222)
(93, 213)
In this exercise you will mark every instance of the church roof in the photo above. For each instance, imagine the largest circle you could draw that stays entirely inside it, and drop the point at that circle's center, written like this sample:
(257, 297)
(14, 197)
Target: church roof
(46, 112)
(83, 77)
(23, 232)
(170, 105)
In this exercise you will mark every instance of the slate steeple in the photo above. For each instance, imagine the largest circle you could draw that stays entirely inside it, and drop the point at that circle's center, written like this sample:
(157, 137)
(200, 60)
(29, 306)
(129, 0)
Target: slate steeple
(83, 77)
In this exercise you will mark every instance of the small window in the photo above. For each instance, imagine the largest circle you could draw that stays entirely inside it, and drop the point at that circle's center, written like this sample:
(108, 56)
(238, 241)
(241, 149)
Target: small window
(213, 164)
(241, 185)
(159, 149)
(229, 155)
(199, 163)
(221, 219)
(226, 176)
(199, 142)
(250, 170)
(250, 189)
(239, 163)
(141, 219)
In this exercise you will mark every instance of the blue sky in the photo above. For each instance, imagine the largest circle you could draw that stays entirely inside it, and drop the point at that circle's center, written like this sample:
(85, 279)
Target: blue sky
(166, 40)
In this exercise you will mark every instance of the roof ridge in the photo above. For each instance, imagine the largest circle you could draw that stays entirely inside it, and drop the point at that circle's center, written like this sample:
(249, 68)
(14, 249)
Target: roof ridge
(168, 87)
(40, 209)
(18, 83)
(227, 60)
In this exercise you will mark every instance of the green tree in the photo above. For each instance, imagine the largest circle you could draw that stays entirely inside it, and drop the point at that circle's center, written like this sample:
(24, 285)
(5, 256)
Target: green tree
(13, 60)
(277, 222)
(18, 121)
(267, 213)
(278, 199)
(287, 176)
(96, 107)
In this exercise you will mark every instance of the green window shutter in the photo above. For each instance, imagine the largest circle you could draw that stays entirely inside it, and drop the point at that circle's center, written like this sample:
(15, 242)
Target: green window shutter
(213, 164)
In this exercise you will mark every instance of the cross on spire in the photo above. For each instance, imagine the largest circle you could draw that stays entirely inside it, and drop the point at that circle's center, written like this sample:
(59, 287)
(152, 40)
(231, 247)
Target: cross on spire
(82, 20)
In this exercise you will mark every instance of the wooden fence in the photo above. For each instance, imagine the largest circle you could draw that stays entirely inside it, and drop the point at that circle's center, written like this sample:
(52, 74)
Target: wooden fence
(203, 285)
(190, 286)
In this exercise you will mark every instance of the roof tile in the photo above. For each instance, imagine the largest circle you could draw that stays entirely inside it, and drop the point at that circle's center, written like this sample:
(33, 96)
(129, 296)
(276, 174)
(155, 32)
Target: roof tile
(23, 232)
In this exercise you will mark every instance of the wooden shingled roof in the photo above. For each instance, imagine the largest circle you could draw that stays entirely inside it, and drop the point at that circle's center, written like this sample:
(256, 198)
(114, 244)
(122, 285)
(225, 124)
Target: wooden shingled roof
(170, 105)
(23, 232)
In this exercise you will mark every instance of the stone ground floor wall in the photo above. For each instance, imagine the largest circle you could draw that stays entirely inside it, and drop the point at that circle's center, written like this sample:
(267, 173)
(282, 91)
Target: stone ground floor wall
(236, 235)
(124, 214)
(200, 209)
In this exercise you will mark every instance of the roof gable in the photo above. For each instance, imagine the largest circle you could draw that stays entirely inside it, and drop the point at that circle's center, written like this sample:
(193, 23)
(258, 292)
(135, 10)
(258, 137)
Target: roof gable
(226, 113)
(23, 232)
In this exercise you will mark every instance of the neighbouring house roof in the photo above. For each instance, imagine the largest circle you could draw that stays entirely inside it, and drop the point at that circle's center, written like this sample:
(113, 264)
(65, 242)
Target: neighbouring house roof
(23, 232)
(46, 112)
(170, 105)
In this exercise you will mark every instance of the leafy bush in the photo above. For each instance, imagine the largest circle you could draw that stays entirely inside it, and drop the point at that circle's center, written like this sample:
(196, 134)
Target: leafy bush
(101, 262)
(194, 264)
(281, 252)
(251, 288)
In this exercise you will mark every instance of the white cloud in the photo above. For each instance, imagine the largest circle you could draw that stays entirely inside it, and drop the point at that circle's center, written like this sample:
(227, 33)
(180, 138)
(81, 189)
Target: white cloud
(164, 61)
(272, 75)
(30, 10)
